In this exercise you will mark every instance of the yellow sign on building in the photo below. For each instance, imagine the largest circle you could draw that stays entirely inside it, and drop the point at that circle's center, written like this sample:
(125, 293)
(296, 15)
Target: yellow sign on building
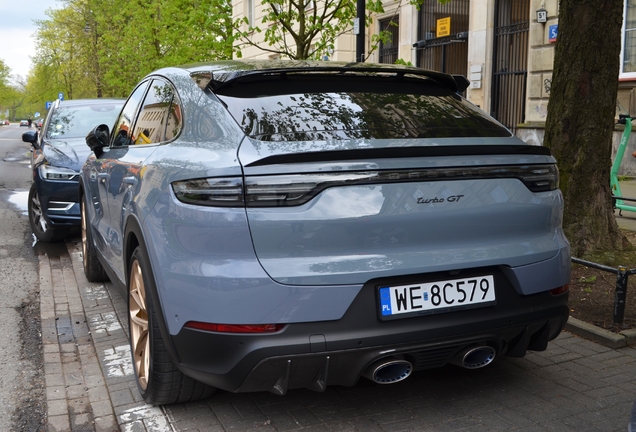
(443, 27)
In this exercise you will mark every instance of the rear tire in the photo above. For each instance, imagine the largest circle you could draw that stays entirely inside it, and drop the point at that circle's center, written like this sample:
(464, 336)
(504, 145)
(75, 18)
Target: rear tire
(92, 267)
(158, 379)
(40, 224)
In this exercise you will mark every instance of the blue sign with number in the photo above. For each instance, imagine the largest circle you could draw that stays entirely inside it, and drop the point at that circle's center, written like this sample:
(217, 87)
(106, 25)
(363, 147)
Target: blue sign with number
(60, 96)
(553, 31)
(48, 105)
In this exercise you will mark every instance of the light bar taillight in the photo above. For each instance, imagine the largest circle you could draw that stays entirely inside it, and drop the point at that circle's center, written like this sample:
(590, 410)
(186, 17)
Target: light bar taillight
(213, 192)
(296, 189)
(235, 328)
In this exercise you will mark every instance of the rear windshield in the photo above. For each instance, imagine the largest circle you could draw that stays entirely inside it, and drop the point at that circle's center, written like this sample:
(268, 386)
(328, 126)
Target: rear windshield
(78, 121)
(301, 108)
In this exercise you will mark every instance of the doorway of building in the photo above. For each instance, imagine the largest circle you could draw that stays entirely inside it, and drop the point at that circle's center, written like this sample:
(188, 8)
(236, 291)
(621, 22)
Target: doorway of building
(510, 62)
(443, 37)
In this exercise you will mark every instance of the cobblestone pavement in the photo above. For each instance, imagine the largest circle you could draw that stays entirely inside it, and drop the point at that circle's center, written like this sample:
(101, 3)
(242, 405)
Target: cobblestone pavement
(574, 385)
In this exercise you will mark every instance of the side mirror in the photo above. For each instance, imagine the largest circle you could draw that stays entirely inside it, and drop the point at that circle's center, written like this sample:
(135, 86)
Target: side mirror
(97, 139)
(31, 137)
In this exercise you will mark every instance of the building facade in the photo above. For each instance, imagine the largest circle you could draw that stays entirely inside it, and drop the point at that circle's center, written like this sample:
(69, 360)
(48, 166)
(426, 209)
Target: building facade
(504, 47)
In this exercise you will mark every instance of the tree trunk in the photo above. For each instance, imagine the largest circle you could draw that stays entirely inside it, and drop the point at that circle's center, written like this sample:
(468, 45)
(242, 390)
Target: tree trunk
(580, 120)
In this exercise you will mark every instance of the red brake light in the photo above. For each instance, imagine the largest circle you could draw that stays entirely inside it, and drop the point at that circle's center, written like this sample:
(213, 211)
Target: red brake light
(235, 328)
(560, 290)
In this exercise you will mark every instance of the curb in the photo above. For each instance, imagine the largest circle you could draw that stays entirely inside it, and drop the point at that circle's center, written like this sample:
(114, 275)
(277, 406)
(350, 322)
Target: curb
(604, 337)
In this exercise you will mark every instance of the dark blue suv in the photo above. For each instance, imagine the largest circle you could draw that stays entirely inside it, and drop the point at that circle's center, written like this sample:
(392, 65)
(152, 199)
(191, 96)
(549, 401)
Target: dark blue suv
(58, 152)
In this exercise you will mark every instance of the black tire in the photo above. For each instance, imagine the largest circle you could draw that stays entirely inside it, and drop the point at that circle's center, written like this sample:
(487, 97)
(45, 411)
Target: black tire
(93, 269)
(158, 379)
(40, 224)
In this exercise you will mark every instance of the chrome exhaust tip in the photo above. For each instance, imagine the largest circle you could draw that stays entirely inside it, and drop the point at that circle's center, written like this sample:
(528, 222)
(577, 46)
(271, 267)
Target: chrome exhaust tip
(388, 371)
(475, 357)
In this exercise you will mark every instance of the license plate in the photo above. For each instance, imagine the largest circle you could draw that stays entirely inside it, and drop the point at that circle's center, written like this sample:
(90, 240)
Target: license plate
(430, 297)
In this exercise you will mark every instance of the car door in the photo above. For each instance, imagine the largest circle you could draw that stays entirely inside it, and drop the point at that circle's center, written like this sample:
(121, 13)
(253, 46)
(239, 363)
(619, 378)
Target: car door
(101, 170)
(130, 149)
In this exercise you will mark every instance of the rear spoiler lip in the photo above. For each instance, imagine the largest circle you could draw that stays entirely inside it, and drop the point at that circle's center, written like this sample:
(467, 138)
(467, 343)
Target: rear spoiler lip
(401, 152)
(455, 83)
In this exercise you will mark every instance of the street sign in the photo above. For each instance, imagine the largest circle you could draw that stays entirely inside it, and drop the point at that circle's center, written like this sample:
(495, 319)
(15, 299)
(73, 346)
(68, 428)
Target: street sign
(37, 114)
(60, 96)
(443, 27)
(553, 32)
(48, 105)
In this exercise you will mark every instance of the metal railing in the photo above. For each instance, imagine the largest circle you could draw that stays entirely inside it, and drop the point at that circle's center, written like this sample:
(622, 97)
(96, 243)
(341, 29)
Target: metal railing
(622, 276)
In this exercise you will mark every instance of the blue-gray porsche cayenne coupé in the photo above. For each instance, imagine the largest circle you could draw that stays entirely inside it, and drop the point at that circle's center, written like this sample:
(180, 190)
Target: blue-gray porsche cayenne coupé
(278, 225)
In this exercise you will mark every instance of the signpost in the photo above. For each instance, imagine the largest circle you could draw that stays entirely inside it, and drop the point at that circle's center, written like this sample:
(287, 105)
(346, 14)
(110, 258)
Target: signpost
(60, 96)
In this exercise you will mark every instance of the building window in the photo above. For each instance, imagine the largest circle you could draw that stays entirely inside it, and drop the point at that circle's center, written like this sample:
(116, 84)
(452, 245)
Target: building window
(628, 54)
(389, 51)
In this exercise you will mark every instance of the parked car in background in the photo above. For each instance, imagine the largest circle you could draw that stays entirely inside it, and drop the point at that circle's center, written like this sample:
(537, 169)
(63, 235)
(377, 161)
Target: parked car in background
(24, 123)
(57, 155)
(4, 122)
(278, 225)
(38, 123)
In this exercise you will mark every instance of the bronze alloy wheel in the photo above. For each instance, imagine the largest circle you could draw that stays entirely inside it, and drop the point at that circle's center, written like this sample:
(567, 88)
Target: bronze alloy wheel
(139, 335)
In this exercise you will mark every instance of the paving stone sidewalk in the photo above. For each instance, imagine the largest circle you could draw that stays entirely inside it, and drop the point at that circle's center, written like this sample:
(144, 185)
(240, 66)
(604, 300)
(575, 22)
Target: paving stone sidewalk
(576, 384)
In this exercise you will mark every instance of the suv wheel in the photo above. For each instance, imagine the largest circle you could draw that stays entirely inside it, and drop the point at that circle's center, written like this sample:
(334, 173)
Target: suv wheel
(158, 379)
(40, 225)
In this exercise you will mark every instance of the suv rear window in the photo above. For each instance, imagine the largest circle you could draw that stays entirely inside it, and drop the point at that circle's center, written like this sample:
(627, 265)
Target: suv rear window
(306, 107)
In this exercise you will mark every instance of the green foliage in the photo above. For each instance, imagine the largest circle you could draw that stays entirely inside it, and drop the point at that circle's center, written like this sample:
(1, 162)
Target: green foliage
(98, 48)
(588, 280)
(403, 62)
(305, 29)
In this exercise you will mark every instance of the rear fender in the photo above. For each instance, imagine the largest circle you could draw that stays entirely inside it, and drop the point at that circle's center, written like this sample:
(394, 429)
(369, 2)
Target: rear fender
(133, 238)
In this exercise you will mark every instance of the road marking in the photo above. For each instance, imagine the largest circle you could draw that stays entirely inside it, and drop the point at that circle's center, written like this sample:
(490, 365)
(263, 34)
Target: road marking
(106, 322)
(151, 417)
(118, 361)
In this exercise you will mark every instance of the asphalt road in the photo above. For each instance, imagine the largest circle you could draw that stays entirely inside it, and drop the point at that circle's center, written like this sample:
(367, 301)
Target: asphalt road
(21, 373)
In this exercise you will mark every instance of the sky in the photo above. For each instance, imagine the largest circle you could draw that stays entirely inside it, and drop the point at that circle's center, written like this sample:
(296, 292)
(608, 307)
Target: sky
(17, 30)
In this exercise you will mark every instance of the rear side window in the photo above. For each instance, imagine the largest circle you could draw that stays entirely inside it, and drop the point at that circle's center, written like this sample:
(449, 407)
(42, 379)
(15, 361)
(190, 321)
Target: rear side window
(302, 107)
(159, 119)
(122, 133)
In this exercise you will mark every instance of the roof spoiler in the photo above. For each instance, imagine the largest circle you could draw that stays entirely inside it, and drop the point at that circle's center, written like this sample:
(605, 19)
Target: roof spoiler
(216, 80)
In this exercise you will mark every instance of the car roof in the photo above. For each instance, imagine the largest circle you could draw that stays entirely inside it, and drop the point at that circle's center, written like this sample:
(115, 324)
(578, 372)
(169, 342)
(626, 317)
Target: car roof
(217, 74)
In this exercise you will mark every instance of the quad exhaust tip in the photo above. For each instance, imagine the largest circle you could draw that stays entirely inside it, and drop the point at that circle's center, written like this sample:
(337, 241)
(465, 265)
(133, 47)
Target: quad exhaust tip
(388, 371)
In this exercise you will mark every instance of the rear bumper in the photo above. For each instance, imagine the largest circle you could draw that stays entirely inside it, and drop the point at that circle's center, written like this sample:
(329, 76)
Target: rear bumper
(319, 354)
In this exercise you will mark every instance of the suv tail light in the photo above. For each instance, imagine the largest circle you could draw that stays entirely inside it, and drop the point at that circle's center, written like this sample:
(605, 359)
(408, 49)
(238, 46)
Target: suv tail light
(297, 189)
(560, 290)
